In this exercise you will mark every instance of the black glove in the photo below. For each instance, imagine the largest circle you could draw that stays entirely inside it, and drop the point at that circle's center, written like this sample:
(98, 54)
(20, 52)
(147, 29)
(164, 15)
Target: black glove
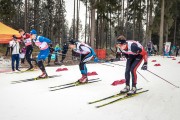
(144, 67)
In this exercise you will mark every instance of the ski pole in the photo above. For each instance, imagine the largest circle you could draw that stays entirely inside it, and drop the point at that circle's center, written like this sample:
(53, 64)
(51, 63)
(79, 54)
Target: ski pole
(163, 79)
(143, 76)
(137, 71)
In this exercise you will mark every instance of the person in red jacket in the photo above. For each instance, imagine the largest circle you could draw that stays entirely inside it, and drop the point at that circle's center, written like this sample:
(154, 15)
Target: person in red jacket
(135, 53)
(26, 37)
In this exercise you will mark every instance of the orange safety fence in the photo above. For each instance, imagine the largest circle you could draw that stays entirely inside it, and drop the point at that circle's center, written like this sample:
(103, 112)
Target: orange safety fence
(101, 53)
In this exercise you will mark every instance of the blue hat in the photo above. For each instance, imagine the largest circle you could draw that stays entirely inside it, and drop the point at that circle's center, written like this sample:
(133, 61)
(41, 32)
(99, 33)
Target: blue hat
(33, 31)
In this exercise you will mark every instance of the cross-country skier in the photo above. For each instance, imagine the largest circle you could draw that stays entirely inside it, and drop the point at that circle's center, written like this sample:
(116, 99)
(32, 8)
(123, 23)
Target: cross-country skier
(29, 48)
(135, 53)
(86, 53)
(42, 43)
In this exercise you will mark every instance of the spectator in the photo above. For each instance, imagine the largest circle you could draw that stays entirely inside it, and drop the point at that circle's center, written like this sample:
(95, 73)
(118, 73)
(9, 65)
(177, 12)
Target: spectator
(15, 52)
(64, 51)
(22, 55)
(177, 51)
(149, 47)
(51, 49)
(57, 49)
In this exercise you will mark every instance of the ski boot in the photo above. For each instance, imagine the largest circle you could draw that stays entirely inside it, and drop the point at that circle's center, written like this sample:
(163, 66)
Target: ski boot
(30, 69)
(43, 75)
(83, 79)
(132, 91)
(125, 90)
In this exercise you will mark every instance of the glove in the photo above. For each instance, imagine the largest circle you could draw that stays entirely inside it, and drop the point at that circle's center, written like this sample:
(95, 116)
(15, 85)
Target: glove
(144, 67)
(96, 59)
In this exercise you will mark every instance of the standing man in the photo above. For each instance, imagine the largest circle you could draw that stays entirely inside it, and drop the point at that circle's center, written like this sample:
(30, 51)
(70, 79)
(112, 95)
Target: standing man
(177, 51)
(135, 53)
(29, 48)
(64, 51)
(86, 53)
(51, 49)
(42, 43)
(149, 47)
(14, 44)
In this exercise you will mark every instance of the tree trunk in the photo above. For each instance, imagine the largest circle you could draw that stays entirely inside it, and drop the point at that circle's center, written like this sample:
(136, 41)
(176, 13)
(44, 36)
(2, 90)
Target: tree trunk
(161, 29)
(134, 21)
(25, 16)
(77, 21)
(139, 23)
(175, 24)
(147, 25)
(167, 28)
(92, 25)
(89, 30)
(127, 18)
(74, 31)
(86, 22)
(36, 14)
(122, 16)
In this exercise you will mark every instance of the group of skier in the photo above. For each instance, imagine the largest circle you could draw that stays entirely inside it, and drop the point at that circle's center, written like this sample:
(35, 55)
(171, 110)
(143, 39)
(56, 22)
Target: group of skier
(132, 50)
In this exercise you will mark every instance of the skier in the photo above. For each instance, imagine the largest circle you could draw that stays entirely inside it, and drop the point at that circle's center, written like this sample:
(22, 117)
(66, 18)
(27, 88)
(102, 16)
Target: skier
(135, 53)
(86, 53)
(29, 48)
(42, 43)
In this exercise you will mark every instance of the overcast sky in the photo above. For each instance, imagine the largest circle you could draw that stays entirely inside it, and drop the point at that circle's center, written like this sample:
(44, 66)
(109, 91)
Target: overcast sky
(69, 11)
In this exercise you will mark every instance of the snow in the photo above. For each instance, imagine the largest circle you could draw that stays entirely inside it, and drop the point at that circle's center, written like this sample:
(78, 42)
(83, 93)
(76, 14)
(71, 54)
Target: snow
(33, 100)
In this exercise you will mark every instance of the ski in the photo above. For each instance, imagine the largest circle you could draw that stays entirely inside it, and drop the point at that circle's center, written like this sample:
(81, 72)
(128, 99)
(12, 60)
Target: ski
(27, 71)
(112, 96)
(122, 98)
(17, 72)
(74, 85)
(32, 79)
(108, 65)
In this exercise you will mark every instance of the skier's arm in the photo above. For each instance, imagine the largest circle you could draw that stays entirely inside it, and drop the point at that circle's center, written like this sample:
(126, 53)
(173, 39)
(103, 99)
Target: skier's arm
(93, 52)
(43, 39)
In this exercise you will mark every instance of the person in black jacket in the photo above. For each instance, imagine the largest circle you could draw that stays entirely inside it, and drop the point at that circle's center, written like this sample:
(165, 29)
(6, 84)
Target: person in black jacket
(64, 51)
(177, 51)
(51, 49)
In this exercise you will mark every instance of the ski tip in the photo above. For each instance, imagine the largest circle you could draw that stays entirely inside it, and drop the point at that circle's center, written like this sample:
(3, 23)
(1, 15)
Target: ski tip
(51, 90)
(98, 106)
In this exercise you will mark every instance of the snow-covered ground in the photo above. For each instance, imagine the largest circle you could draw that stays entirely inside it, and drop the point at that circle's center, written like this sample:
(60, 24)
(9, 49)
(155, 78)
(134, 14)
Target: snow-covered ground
(33, 100)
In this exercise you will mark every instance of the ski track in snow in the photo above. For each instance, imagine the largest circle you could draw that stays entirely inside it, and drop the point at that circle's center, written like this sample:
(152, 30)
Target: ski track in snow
(32, 100)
